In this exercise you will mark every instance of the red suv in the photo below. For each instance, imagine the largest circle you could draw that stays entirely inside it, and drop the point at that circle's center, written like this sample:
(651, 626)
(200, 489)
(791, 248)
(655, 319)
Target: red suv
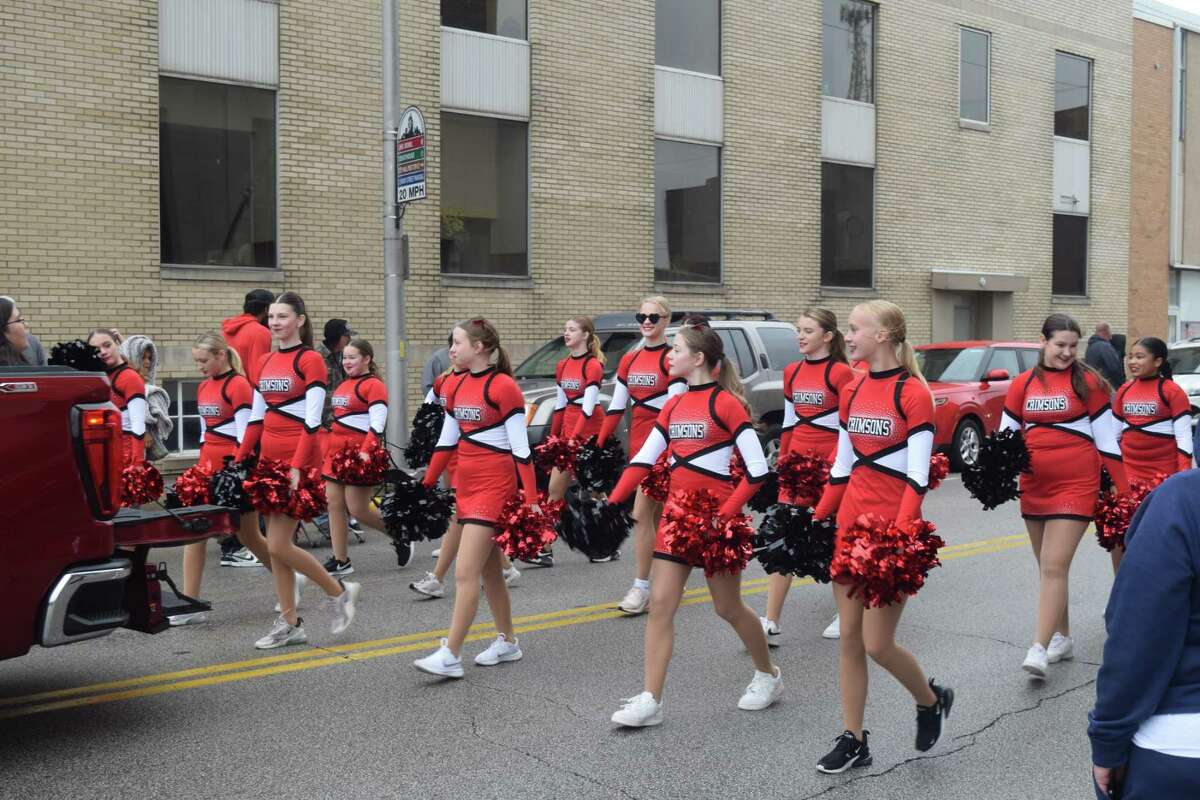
(969, 381)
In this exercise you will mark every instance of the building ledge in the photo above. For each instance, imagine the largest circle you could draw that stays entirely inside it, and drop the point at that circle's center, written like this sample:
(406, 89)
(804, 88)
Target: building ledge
(972, 125)
(487, 281)
(668, 287)
(260, 275)
(865, 292)
(1070, 300)
(965, 280)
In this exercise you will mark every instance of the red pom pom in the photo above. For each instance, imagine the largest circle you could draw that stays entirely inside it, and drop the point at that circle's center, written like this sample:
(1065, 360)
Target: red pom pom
(657, 484)
(737, 469)
(348, 466)
(521, 532)
(140, 484)
(191, 487)
(269, 486)
(551, 508)
(802, 477)
(884, 562)
(557, 452)
(939, 469)
(308, 499)
(694, 531)
(1114, 512)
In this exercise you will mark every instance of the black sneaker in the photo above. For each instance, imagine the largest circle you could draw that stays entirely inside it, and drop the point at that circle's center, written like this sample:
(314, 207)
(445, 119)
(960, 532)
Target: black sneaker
(542, 559)
(354, 526)
(613, 556)
(404, 552)
(929, 718)
(338, 568)
(848, 752)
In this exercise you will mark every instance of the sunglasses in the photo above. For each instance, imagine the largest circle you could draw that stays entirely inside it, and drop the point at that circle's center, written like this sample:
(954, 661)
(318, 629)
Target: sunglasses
(654, 319)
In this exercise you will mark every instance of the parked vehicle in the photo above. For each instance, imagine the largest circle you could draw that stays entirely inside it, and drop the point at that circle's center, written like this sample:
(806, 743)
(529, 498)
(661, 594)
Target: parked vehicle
(1184, 358)
(759, 345)
(72, 561)
(969, 381)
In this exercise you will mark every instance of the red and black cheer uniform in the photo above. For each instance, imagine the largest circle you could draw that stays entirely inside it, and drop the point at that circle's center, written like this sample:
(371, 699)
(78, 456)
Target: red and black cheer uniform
(288, 405)
(811, 391)
(698, 430)
(443, 386)
(885, 440)
(359, 418)
(129, 396)
(1068, 440)
(643, 378)
(1154, 425)
(578, 379)
(485, 424)
(224, 403)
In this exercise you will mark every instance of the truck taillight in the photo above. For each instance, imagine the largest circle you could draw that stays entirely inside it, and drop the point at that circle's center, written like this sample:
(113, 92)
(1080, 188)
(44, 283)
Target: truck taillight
(100, 431)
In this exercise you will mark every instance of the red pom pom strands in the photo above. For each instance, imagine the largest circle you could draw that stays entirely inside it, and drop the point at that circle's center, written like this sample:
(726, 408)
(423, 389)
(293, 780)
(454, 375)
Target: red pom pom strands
(657, 484)
(885, 562)
(1115, 510)
(939, 469)
(521, 532)
(802, 477)
(694, 531)
(140, 484)
(269, 486)
(191, 487)
(349, 467)
(308, 499)
(556, 452)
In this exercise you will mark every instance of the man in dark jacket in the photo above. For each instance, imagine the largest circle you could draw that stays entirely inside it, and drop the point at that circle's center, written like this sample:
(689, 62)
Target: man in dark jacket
(1102, 356)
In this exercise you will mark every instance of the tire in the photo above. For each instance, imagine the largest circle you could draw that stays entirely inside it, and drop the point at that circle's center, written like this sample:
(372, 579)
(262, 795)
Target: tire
(964, 447)
(770, 439)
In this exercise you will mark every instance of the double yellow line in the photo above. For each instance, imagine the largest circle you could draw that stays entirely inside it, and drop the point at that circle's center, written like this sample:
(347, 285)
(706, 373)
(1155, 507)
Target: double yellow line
(312, 658)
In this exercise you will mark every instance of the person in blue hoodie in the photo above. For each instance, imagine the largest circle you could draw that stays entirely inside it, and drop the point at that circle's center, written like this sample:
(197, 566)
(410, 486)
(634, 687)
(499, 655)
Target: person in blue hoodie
(1145, 728)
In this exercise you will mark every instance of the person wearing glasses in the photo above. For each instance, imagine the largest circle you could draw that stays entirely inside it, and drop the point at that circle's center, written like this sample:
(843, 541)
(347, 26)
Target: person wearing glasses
(16, 339)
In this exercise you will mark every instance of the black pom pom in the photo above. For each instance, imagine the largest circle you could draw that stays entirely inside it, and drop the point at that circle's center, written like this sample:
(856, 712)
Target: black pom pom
(226, 488)
(993, 479)
(791, 542)
(599, 468)
(77, 354)
(593, 527)
(412, 512)
(767, 494)
(426, 430)
(1106, 483)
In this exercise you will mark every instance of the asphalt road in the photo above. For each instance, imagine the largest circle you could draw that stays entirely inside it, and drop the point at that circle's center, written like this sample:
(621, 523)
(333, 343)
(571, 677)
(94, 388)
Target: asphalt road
(197, 712)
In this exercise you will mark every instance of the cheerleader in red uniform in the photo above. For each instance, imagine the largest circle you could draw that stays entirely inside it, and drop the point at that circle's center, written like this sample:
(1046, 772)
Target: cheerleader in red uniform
(485, 424)
(1062, 407)
(885, 440)
(223, 401)
(578, 378)
(285, 420)
(128, 393)
(643, 380)
(1154, 419)
(811, 388)
(699, 431)
(359, 419)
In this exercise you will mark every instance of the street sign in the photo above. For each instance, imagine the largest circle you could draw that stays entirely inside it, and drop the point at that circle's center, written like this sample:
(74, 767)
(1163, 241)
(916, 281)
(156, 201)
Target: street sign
(410, 156)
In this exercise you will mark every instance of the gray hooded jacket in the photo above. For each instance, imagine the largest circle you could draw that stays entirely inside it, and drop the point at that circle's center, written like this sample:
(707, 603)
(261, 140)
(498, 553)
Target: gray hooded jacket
(158, 416)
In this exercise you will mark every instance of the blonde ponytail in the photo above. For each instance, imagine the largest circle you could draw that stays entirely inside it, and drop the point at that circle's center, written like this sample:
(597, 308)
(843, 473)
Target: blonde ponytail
(908, 359)
(727, 379)
(215, 343)
(235, 362)
(593, 341)
(891, 319)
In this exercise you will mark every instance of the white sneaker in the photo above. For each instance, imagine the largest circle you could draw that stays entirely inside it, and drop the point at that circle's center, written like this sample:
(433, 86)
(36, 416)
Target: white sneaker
(344, 606)
(763, 691)
(301, 582)
(283, 634)
(441, 662)
(429, 586)
(833, 630)
(436, 554)
(1062, 648)
(510, 576)
(639, 712)
(194, 618)
(635, 602)
(1036, 661)
(771, 630)
(501, 650)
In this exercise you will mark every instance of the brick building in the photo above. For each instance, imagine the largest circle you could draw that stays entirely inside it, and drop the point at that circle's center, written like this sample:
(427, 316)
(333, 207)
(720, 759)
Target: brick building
(965, 158)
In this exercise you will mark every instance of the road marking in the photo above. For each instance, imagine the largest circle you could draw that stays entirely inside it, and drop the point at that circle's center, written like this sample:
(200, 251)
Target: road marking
(217, 674)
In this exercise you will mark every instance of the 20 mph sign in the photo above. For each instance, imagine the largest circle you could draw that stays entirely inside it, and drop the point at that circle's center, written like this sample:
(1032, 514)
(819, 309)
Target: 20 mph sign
(410, 156)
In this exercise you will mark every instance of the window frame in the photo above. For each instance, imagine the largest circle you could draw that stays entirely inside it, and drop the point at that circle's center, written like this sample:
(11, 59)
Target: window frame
(525, 38)
(1090, 90)
(962, 30)
(174, 389)
(1087, 254)
(766, 332)
(996, 354)
(734, 334)
(720, 280)
(874, 215)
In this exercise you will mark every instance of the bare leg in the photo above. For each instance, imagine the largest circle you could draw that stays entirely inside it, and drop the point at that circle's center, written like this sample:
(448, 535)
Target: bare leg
(777, 591)
(358, 500)
(559, 481)
(666, 590)
(1037, 534)
(646, 513)
(1059, 543)
(290, 558)
(474, 551)
(496, 592)
(250, 537)
(193, 567)
(879, 637)
(726, 591)
(339, 525)
(852, 661)
(449, 549)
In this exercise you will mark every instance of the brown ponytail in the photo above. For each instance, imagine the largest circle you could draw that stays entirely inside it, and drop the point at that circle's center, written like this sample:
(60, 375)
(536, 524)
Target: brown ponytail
(482, 331)
(829, 323)
(701, 338)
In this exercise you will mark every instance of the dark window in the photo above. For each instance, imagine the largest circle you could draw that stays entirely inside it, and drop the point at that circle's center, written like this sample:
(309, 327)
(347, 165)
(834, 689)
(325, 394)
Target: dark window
(500, 17)
(781, 347)
(687, 35)
(737, 350)
(216, 187)
(848, 50)
(952, 365)
(614, 347)
(1070, 255)
(544, 360)
(974, 74)
(687, 212)
(847, 225)
(1029, 358)
(485, 174)
(1072, 96)
(1005, 360)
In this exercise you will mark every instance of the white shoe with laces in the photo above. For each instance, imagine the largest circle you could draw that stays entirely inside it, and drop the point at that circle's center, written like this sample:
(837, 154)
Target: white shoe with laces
(641, 711)
(301, 582)
(510, 575)
(771, 631)
(833, 630)
(429, 586)
(1062, 648)
(498, 652)
(283, 633)
(193, 618)
(441, 662)
(344, 606)
(1036, 661)
(763, 691)
(636, 601)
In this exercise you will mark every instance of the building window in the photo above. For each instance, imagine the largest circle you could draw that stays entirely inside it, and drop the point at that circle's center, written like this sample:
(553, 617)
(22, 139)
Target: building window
(847, 225)
(848, 50)
(216, 190)
(687, 212)
(1070, 255)
(1072, 96)
(498, 17)
(485, 196)
(185, 436)
(687, 35)
(974, 75)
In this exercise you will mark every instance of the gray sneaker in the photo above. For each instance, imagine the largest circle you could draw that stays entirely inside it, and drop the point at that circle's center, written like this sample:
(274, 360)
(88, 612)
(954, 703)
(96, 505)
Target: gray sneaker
(283, 634)
(343, 606)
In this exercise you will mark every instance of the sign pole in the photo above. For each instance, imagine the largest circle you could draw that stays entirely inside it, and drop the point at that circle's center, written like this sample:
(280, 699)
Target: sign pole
(396, 361)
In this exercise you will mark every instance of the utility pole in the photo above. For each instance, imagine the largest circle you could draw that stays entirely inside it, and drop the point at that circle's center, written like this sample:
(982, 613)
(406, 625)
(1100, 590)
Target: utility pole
(393, 244)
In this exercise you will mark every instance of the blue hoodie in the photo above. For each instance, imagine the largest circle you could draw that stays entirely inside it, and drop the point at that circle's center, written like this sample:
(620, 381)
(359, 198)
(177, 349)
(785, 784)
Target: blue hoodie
(1152, 656)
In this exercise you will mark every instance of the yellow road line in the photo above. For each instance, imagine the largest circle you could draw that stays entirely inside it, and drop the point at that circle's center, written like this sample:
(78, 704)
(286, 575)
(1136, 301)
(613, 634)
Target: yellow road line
(217, 674)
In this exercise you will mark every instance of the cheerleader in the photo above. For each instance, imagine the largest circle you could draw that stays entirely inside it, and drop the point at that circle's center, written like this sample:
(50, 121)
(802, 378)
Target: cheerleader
(1062, 407)
(578, 378)
(128, 393)
(643, 380)
(285, 420)
(811, 388)
(699, 431)
(360, 409)
(485, 425)
(223, 400)
(885, 440)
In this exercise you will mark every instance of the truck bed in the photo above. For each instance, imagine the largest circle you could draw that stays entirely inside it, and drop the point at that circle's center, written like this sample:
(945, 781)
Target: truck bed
(161, 528)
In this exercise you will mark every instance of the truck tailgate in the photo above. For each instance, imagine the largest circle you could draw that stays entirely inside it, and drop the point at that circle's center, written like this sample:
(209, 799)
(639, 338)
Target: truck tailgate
(162, 528)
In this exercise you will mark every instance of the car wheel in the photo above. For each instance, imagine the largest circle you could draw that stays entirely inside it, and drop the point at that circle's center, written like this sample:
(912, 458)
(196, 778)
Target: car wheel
(770, 445)
(964, 448)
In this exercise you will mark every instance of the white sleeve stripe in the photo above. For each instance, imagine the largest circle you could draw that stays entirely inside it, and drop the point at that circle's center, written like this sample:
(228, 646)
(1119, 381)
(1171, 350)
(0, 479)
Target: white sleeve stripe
(258, 411)
(591, 396)
(1183, 434)
(655, 446)
(789, 416)
(450, 432)
(518, 436)
(378, 413)
(241, 419)
(750, 447)
(314, 406)
(843, 463)
(137, 408)
(620, 398)
(920, 450)
(560, 399)
(1105, 437)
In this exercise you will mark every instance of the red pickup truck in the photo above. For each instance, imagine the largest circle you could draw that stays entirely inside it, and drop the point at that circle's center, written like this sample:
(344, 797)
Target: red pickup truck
(72, 561)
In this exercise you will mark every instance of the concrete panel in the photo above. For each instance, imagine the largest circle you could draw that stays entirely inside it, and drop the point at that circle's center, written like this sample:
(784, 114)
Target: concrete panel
(847, 131)
(230, 40)
(689, 105)
(485, 74)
